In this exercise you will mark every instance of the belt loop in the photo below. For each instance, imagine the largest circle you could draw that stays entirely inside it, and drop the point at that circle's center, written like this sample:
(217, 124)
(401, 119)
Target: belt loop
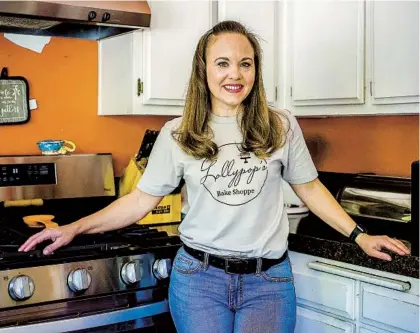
(259, 266)
(206, 260)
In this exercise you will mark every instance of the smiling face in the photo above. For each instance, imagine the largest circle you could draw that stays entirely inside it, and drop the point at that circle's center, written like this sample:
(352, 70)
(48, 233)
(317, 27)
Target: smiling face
(230, 71)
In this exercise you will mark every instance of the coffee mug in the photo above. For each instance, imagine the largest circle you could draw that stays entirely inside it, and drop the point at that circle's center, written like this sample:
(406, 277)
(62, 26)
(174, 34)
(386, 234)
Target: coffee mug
(56, 147)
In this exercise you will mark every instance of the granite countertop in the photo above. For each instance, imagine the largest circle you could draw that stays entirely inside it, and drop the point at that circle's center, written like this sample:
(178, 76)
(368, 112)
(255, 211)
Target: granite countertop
(350, 253)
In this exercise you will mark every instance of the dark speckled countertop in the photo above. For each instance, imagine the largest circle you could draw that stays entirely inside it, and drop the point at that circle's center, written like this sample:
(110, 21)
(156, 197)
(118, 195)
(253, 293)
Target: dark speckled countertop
(350, 253)
(310, 235)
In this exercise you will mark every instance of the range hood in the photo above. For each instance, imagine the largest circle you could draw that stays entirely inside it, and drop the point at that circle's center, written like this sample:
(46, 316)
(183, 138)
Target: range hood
(76, 19)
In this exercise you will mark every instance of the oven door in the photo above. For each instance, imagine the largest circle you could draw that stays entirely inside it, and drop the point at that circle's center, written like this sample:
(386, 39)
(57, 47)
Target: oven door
(146, 318)
(113, 313)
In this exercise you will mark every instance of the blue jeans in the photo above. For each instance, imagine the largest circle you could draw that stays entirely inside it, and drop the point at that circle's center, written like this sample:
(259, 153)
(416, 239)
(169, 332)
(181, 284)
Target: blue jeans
(205, 299)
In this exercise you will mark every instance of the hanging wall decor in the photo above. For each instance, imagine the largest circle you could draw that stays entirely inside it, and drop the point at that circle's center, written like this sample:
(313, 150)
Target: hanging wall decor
(14, 99)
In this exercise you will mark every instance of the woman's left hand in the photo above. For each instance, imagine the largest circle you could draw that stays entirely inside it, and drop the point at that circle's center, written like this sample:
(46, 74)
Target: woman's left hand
(373, 245)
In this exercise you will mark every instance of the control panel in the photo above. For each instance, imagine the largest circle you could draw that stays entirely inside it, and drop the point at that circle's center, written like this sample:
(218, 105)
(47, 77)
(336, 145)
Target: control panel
(27, 174)
(48, 283)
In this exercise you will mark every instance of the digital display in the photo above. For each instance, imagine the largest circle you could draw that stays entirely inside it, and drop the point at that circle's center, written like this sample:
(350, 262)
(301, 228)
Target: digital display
(27, 174)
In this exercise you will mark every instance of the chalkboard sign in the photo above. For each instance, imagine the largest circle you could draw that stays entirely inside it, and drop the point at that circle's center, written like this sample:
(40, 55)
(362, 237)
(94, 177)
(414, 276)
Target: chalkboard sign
(14, 99)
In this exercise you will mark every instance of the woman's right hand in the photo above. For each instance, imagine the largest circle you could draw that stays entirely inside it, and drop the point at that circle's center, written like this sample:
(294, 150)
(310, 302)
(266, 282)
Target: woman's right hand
(60, 236)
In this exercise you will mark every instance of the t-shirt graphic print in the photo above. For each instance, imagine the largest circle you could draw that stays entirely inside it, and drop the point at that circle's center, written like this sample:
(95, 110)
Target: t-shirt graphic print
(234, 178)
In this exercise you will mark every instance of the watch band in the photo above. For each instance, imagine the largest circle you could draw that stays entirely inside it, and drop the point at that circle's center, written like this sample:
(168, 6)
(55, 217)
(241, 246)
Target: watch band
(356, 232)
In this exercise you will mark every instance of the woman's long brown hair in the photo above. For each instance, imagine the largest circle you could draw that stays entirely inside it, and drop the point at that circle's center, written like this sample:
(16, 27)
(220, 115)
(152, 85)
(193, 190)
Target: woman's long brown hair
(261, 126)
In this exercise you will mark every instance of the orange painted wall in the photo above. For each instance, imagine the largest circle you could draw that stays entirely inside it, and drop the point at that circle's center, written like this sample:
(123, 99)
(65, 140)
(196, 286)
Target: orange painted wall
(63, 79)
(380, 144)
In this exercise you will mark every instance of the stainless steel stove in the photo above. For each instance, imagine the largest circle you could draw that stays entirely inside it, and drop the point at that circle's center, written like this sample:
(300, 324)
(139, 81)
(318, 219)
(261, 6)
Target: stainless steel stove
(111, 282)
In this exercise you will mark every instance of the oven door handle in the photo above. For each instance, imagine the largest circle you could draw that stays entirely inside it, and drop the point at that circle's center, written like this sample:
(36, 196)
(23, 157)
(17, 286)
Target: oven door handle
(92, 321)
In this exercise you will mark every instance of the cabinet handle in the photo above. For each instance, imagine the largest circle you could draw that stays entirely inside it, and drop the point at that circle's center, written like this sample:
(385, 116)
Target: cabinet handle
(361, 276)
(139, 87)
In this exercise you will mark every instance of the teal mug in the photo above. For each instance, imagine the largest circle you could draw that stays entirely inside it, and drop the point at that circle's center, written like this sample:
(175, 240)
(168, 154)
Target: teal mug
(56, 147)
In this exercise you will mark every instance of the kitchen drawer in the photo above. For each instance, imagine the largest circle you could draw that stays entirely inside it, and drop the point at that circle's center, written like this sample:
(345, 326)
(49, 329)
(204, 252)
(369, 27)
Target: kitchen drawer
(389, 309)
(322, 291)
(308, 321)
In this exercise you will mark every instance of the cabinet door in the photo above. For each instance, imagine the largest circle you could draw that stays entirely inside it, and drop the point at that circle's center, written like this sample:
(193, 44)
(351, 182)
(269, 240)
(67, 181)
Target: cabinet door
(260, 18)
(117, 73)
(393, 45)
(313, 322)
(321, 291)
(389, 309)
(169, 47)
(325, 58)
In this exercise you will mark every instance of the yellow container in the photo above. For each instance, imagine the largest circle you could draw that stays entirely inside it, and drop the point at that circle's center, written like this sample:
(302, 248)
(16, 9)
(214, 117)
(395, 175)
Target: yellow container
(167, 211)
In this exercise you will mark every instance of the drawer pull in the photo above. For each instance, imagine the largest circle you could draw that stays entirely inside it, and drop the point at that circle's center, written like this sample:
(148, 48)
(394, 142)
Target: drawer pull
(361, 276)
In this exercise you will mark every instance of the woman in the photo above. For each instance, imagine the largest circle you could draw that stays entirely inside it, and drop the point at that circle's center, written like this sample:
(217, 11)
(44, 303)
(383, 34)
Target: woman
(233, 273)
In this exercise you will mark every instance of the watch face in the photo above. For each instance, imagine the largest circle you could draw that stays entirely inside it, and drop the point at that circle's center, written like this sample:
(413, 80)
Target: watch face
(361, 228)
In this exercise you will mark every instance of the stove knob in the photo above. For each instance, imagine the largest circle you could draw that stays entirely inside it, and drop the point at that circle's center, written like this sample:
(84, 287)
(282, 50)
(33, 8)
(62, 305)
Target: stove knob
(162, 268)
(79, 280)
(21, 288)
(131, 272)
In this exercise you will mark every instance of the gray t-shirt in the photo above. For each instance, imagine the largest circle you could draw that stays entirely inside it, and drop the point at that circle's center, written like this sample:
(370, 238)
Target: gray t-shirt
(236, 203)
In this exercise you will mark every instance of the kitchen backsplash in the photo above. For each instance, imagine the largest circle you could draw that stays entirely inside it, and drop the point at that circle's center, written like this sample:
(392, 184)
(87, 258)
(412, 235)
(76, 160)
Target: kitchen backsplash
(63, 80)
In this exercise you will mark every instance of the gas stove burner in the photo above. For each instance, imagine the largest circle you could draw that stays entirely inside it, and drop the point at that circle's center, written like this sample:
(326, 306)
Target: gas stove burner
(133, 239)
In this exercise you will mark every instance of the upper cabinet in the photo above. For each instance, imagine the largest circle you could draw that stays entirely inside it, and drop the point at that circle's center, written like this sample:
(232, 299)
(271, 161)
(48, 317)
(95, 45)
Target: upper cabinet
(117, 73)
(169, 47)
(320, 57)
(393, 40)
(351, 57)
(261, 18)
(325, 43)
(147, 72)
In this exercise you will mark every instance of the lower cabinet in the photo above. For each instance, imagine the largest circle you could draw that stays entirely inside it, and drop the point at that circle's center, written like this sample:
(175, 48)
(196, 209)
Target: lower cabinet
(335, 297)
(389, 309)
(308, 321)
(321, 291)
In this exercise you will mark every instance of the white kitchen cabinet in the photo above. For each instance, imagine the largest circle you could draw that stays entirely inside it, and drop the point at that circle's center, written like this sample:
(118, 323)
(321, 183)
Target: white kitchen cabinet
(325, 52)
(320, 58)
(350, 57)
(119, 69)
(147, 71)
(338, 297)
(393, 46)
(323, 291)
(389, 309)
(313, 322)
(169, 47)
(261, 18)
